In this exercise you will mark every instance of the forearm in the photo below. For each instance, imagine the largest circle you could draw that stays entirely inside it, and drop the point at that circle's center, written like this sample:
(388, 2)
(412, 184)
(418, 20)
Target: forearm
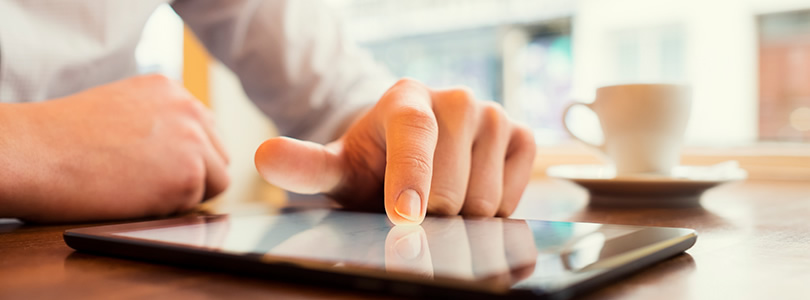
(293, 60)
(18, 174)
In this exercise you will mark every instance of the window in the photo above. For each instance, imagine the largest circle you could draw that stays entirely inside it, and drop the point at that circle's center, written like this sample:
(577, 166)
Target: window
(784, 76)
(469, 57)
(540, 75)
(160, 49)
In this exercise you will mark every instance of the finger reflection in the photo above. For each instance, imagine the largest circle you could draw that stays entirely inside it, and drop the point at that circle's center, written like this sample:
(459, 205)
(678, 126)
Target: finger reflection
(583, 251)
(490, 251)
(449, 245)
(406, 249)
(486, 245)
(520, 249)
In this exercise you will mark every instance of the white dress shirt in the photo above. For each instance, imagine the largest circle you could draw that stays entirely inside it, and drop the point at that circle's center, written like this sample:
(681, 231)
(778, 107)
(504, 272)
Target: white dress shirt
(291, 56)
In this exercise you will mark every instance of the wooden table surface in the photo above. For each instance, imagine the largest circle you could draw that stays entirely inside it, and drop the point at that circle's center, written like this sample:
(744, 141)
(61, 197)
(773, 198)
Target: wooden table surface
(754, 243)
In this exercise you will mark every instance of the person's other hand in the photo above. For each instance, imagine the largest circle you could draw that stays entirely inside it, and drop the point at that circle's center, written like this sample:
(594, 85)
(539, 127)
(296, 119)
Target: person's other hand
(421, 150)
(138, 147)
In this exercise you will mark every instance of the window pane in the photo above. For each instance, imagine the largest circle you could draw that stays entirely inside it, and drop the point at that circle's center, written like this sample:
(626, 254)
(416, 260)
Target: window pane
(784, 66)
(468, 58)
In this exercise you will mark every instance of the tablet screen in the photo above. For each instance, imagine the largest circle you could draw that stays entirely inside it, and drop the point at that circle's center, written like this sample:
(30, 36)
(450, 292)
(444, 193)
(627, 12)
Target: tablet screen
(500, 254)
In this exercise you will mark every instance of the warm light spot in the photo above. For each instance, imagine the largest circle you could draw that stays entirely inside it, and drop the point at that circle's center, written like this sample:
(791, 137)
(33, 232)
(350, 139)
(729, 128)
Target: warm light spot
(800, 119)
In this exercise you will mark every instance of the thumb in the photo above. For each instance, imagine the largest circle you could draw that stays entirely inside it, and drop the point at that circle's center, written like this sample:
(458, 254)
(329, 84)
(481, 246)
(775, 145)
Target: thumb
(298, 166)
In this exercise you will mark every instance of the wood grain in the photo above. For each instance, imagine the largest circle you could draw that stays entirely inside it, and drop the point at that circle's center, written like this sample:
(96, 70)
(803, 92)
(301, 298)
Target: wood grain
(754, 243)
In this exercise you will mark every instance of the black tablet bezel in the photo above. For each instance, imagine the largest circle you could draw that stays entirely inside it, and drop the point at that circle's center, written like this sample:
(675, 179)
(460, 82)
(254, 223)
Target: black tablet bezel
(103, 240)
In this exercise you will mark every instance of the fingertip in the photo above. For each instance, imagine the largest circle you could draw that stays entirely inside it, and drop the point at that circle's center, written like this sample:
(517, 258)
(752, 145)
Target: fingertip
(400, 221)
(407, 209)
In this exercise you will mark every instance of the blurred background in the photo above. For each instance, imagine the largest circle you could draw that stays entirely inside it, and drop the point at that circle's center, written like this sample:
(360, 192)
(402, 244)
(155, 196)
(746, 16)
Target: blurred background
(747, 61)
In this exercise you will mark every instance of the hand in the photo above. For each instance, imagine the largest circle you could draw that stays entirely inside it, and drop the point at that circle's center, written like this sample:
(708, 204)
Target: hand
(421, 150)
(133, 148)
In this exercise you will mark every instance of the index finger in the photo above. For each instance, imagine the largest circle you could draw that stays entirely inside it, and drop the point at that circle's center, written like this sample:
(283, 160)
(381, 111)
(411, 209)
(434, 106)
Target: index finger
(411, 133)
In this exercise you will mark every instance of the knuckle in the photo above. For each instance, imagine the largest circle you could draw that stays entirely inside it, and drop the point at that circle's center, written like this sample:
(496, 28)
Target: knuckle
(442, 203)
(407, 82)
(417, 126)
(188, 184)
(171, 87)
(157, 79)
(458, 102)
(415, 118)
(415, 163)
(480, 206)
(219, 186)
(402, 89)
(202, 112)
(494, 120)
(506, 210)
(494, 114)
(524, 138)
(192, 134)
(156, 86)
(196, 110)
(189, 204)
(463, 92)
(495, 109)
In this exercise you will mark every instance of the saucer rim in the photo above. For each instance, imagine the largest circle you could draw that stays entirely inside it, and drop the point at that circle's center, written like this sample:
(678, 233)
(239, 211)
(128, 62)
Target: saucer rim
(740, 174)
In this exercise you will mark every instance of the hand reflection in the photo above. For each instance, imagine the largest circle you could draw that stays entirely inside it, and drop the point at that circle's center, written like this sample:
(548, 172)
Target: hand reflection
(406, 249)
(501, 251)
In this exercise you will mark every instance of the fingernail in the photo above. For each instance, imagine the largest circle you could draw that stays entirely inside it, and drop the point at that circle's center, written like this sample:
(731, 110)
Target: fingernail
(409, 247)
(409, 205)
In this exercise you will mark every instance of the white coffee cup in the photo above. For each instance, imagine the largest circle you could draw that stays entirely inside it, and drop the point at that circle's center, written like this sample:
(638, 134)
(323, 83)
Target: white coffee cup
(643, 125)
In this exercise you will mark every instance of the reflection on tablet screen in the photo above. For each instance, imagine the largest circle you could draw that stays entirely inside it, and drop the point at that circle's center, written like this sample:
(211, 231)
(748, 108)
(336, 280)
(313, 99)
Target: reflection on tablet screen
(501, 252)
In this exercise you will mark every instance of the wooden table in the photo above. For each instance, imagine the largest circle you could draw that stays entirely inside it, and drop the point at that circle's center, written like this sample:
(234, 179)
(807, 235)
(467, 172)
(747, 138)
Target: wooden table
(754, 243)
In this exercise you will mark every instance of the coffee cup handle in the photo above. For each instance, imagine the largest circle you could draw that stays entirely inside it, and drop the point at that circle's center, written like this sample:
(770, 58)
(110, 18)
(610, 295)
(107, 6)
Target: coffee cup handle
(565, 124)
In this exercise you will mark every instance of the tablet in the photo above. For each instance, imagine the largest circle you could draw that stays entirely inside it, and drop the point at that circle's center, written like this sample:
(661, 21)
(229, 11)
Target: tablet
(443, 257)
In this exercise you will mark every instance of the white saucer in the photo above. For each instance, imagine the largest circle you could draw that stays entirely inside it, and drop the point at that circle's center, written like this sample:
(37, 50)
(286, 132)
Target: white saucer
(682, 188)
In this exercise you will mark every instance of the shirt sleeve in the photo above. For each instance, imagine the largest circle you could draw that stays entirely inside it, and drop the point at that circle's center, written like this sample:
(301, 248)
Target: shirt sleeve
(293, 59)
